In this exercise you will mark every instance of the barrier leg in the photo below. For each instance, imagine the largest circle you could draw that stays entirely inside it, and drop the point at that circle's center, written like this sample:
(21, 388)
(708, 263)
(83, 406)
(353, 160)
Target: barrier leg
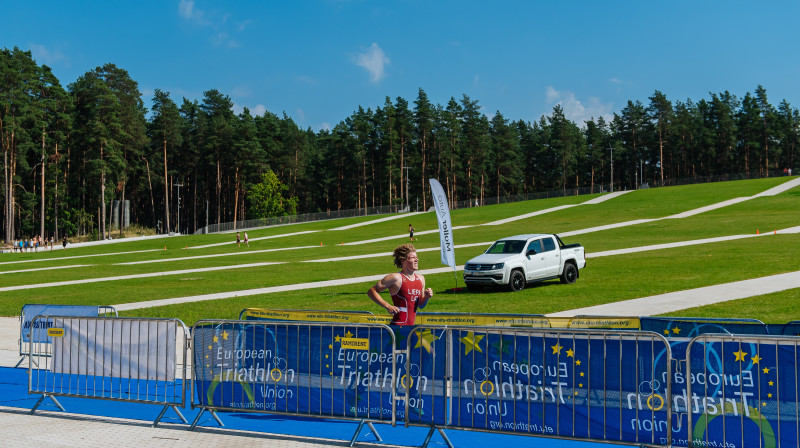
(161, 414)
(41, 399)
(441, 432)
(200, 414)
(23, 359)
(358, 430)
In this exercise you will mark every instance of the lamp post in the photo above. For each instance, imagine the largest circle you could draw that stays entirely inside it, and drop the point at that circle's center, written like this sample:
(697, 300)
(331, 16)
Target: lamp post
(179, 185)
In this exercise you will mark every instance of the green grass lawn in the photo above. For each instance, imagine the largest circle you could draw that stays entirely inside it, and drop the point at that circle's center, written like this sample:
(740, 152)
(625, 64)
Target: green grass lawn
(606, 279)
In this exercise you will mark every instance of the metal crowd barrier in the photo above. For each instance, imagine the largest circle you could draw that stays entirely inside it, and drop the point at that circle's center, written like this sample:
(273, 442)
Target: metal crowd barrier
(28, 333)
(741, 391)
(326, 370)
(604, 386)
(122, 359)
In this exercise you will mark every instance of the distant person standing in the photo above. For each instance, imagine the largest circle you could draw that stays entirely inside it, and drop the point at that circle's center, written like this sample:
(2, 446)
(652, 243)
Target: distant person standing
(64, 242)
(238, 240)
(246, 241)
(410, 233)
(406, 287)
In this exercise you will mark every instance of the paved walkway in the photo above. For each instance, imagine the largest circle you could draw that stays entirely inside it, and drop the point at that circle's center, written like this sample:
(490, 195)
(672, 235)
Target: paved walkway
(59, 429)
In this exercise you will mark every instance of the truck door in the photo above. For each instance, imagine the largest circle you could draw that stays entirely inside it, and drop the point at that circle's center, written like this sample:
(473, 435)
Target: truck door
(535, 260)
(552, 256)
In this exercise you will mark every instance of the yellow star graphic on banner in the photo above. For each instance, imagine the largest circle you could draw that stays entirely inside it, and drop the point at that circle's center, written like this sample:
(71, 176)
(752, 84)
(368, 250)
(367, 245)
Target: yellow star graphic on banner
(666, 332)
(765, 370)
(577, 362)
(771, 383)
(215, 339)
(676, 330)
(739, 355)
(581, 373)
(210, 347)
(570, 353)
(769, 395)
(755, 359)
(225, 335)
(471, 342)
(425, 340)
(348, 334)
(580, 384)
(556, 348)
(337, 338)
(330, 346)
(326, 356)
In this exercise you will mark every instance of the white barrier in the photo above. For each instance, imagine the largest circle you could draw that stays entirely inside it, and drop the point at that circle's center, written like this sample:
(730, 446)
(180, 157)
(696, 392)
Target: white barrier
(29, 333)
(122, 359)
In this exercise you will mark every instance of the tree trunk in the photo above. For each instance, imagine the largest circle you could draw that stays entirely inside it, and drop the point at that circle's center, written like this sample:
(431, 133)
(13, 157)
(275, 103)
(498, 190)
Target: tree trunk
(102, 217)
(55, 197)
(41, 212)
(166, 190)
(218, 189)
(235, 196)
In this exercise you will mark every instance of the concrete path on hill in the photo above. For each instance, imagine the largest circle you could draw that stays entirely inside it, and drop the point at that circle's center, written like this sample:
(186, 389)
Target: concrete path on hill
(690, 298)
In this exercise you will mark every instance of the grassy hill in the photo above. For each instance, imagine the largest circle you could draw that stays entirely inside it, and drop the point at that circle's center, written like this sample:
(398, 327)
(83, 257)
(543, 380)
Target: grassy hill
(279, 256)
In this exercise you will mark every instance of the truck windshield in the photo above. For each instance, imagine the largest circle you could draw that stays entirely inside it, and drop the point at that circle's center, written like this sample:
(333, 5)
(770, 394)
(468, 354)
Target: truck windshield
(506, 247)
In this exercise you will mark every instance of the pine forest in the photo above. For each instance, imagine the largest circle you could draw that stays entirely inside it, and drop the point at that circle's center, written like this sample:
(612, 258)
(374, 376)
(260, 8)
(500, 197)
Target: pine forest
(70, 152)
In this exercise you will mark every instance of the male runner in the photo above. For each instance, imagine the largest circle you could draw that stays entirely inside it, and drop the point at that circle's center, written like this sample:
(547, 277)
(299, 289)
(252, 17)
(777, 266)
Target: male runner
(406, 287)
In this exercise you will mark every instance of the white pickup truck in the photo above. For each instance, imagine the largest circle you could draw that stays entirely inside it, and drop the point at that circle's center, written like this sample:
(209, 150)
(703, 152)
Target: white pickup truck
(517, 260)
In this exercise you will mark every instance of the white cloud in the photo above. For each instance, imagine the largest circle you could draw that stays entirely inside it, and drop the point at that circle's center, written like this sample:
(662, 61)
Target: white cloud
(374, 60)
(575, 110)
(42, 55)
(258, 110)
(243, 25)
(213, 20)
(224, 40)
(187, 11)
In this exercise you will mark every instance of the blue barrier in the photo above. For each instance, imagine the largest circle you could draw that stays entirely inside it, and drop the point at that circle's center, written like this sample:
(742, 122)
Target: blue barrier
(741, 391)
(320, 370)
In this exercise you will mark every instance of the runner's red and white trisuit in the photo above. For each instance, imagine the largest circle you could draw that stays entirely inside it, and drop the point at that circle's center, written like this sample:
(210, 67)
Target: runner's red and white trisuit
(407, 300)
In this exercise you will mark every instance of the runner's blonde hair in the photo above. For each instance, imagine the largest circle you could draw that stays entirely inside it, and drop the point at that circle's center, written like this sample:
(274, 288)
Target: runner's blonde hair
(401, 253)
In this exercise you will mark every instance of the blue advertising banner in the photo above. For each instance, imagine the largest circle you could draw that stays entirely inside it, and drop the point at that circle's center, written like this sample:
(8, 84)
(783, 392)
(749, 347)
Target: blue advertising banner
(743, 392)
(322, 370)
(562, 384)
(607, 385)
(687, 327)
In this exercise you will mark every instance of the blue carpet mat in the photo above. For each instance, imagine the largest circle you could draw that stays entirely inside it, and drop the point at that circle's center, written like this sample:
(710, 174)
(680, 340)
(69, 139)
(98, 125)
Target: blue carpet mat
(14, 386)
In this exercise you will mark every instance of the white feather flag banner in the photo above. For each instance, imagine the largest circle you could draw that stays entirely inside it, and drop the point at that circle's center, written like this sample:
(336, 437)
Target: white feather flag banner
(445, 225)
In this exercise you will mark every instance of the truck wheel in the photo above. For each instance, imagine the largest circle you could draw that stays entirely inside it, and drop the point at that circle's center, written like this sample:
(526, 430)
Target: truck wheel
(517, 281)
(570, 273)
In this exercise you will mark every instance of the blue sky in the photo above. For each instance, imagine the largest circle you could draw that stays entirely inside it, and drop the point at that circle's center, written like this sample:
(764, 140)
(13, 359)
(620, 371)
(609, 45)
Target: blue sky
(318, 61)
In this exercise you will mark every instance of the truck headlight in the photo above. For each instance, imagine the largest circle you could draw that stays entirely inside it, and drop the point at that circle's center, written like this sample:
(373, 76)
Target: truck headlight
(498, 266)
